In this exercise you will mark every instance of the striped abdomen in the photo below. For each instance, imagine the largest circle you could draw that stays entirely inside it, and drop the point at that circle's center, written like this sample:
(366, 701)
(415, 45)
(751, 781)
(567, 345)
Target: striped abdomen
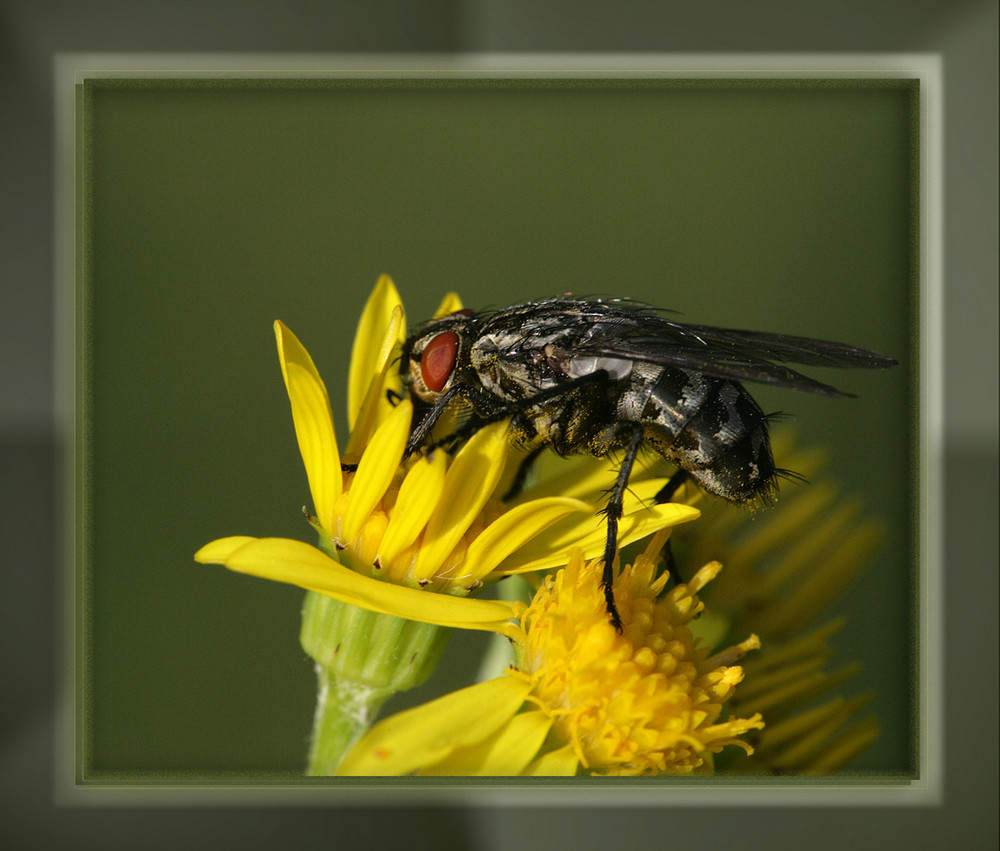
(712, 428)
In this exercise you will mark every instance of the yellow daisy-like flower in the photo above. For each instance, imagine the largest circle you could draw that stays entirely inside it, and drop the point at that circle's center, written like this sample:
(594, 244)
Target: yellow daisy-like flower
(432, 522)
(582, 698)
(402, 542)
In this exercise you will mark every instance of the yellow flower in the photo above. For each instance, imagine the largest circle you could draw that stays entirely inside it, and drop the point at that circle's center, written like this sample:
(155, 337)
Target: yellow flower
(582, 697)
(403, 542)
(431, 523)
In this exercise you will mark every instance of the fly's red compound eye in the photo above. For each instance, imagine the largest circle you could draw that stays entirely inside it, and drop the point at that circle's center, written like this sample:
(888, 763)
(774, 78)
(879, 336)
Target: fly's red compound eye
(438, 360)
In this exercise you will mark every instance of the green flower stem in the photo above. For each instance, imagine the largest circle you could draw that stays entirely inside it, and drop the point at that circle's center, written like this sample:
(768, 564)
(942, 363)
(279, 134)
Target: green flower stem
(362, 659)
(343, 712)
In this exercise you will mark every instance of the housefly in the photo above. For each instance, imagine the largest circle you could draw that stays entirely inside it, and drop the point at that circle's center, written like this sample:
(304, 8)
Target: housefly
(596, 376)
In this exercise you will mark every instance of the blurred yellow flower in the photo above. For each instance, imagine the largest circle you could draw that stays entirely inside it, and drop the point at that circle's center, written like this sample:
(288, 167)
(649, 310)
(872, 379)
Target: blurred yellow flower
(783, 571)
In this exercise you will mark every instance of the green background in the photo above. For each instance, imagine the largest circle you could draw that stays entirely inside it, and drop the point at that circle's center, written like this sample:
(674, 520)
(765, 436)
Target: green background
(211, 209)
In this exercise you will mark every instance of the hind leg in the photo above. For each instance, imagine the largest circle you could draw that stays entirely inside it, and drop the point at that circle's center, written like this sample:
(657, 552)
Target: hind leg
(665, 494)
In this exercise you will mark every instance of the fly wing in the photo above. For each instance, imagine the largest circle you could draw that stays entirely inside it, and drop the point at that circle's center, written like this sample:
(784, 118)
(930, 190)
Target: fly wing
(724, 353)
(804, 350)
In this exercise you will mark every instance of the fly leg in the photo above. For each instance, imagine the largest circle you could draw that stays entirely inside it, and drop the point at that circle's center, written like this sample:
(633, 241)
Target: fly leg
(665, 494)
(487, 409)
(613, 512)
(423, 428)
(484, 405)
(522, 472)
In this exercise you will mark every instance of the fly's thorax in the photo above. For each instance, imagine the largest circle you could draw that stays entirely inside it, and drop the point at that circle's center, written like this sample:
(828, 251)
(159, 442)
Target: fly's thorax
(569, 410)
(511, 368)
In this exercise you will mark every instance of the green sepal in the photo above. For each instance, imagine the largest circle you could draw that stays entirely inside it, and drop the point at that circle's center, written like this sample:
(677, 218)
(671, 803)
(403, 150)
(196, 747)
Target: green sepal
(362, 658)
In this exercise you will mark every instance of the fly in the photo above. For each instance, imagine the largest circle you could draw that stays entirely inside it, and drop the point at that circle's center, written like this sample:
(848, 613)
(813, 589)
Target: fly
(596, 376)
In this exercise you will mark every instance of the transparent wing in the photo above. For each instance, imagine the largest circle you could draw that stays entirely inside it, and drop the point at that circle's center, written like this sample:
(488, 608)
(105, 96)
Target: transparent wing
(638, 333)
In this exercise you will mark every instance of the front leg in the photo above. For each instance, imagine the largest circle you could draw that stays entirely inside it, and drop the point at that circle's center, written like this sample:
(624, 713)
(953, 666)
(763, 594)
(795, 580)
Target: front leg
(423, 428)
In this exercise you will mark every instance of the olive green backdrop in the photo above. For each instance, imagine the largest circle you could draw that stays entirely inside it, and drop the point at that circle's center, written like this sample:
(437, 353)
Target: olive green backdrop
(209, 209)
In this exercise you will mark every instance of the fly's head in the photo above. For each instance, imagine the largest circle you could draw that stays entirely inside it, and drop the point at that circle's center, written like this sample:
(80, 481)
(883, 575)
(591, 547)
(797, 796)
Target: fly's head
(433, 355)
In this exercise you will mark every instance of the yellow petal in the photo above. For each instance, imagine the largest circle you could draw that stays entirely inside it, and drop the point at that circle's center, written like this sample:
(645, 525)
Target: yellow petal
(376, 469)
(804, 551)
(313, 424)
(420, 492)
(376, 405)
(559, 763)
(297, 563)
(792, 520)
(579, 477)
(825, 582)
(468, 483)
(841, 751)
(549, 549)
(586, 477)
(449, 304)
(504, 754)
(216, 552)
(513, 529)
(408, 741)
(368, 340)
(513, 749)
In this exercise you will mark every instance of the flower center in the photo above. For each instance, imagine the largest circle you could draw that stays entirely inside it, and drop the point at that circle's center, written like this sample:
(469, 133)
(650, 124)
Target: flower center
(640, 702)
(394, 557)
